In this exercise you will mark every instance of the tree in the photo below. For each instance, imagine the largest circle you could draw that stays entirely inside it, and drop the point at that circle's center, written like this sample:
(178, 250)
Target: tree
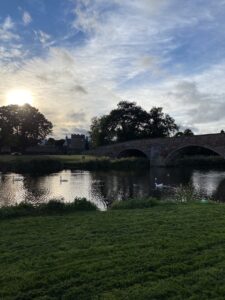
(128, 122)
(59, 143)
(99, 132)
(51, 142)
(22, 126)
(187, 132)
(160, 124)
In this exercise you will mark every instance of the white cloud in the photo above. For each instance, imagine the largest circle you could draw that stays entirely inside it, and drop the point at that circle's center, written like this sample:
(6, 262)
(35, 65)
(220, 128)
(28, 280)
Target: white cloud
(7, 32)
(27, 19)
(125, 55)
(44, 38)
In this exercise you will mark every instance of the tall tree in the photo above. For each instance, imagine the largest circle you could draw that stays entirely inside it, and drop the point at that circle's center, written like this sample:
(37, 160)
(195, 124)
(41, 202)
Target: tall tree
(160, 124)
(129, 121)
(22, 126)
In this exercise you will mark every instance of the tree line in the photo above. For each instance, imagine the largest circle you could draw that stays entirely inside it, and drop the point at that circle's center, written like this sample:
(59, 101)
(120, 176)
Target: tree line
(24, 126)
(130, 121)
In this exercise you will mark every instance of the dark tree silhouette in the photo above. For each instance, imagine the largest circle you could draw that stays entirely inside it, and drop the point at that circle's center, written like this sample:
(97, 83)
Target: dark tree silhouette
(22, 126)
(128, 122)
(187, 132)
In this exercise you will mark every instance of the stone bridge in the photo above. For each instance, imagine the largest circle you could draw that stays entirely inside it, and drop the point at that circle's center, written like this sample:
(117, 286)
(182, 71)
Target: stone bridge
(160, 151)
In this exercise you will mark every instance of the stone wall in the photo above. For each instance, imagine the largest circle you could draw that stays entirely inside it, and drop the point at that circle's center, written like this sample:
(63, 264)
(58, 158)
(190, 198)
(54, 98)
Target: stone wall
(160, 150)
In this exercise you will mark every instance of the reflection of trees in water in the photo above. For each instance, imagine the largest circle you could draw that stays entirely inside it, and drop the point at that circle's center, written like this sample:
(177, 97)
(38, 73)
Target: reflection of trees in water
(105, 187)
(10, 192)
(115, 185)
(35, 189)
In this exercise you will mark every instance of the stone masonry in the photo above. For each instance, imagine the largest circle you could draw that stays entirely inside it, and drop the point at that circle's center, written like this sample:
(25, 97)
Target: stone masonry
(161, 150)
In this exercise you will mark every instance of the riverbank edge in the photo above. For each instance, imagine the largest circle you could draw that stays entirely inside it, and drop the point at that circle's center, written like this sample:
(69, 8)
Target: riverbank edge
(48, 164)
(58, 207)
(43, 164)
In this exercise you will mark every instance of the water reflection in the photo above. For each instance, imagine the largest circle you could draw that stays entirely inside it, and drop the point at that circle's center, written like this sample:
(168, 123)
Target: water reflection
(103, 188)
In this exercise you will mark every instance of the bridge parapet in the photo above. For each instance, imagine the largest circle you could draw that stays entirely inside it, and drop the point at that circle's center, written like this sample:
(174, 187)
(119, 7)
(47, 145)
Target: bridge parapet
(159, 150)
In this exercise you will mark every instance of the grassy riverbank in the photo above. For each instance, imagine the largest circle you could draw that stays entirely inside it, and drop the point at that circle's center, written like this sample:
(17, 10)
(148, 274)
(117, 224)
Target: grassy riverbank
(52, 163)
(172, 251)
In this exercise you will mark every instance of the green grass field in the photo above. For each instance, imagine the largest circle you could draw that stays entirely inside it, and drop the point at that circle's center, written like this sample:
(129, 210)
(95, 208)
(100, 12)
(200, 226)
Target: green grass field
(164, 252)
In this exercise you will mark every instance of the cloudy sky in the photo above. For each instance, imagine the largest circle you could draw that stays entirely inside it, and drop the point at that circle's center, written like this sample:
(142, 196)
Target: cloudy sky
(79, 58)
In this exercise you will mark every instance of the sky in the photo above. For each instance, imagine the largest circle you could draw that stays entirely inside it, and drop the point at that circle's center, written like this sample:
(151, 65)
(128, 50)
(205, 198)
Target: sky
(79, 58)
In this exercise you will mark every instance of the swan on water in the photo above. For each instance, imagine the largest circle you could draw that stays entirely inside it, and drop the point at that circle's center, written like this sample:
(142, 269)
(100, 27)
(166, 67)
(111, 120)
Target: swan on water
(17, 179)
(158, 185)
(63, 180)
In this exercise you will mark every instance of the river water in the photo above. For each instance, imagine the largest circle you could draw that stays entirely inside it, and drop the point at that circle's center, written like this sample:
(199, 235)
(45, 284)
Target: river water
(103, 188)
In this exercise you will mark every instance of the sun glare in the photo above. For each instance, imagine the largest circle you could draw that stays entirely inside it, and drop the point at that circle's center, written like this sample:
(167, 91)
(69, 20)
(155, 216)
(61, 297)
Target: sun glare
(19, 97)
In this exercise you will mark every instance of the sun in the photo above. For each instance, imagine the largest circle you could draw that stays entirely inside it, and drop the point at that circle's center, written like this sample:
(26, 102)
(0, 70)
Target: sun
(19, 97)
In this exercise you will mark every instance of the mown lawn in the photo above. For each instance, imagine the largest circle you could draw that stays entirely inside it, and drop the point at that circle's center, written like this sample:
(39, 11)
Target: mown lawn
(164, 252)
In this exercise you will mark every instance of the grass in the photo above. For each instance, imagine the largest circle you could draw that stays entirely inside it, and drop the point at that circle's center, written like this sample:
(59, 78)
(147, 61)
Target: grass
(173, 251)
(53, 163)
(135, 203)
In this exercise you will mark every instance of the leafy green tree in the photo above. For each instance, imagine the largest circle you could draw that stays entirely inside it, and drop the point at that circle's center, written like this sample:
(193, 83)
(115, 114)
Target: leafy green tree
(22, 126)
(128, 122)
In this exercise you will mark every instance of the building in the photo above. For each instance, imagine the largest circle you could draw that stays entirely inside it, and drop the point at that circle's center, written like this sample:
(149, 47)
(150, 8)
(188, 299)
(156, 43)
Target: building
(75, 144)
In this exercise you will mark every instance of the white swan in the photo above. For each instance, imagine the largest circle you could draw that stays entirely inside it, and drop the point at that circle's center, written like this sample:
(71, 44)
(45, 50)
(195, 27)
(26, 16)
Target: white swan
(158, 185)
(63, 180)
(17, 179)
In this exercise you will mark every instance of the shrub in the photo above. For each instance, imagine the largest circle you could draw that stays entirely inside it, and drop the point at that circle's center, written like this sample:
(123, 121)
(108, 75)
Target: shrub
(80, 204)
(54, 206)
(185, 194)
(21, 209)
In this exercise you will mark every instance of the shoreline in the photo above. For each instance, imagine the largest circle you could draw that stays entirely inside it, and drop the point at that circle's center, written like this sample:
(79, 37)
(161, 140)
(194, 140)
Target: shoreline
(54, 163)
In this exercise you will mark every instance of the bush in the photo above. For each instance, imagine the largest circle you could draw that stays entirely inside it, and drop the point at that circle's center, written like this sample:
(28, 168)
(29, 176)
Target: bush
(184, 194)
(135, 203)
(104, 163)
(54, 206)
(81, 204)
(21, 209)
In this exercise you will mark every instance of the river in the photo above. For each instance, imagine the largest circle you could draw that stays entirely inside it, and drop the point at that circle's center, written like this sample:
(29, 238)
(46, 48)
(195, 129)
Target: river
(103, 188)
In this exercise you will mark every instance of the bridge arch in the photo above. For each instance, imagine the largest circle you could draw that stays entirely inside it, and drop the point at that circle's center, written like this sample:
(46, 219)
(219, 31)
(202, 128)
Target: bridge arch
(195, 149)
(132, 152)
